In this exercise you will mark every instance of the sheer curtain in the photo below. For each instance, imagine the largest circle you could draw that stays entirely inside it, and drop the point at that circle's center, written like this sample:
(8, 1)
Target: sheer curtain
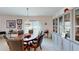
(37, 27)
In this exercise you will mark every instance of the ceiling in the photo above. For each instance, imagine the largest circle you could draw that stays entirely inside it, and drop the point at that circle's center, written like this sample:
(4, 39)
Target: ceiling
(32, 11)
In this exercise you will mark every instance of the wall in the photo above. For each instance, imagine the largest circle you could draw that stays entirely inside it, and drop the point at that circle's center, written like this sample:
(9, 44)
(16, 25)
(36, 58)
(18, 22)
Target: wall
(43, 19)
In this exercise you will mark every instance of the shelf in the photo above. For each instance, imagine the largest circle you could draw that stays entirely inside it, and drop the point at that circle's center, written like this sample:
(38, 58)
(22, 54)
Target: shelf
(77, 26)
(77, 19)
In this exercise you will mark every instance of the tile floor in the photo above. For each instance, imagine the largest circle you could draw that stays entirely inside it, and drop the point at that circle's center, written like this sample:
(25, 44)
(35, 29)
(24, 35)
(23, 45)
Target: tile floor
(3, 45)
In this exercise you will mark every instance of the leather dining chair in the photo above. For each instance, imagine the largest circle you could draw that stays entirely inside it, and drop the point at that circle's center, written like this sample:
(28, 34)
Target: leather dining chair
(28, 44)
(37, 43)
(34, 43)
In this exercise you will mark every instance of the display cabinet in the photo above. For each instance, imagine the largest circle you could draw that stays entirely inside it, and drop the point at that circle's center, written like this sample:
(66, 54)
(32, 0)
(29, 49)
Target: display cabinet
(67, 36)
(62, 38)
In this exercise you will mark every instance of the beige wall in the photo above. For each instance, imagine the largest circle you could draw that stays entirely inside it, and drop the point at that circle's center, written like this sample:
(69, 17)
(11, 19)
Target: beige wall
(43, 19)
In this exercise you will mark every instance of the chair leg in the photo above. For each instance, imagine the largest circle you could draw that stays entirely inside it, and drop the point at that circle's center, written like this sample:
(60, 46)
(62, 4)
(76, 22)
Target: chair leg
(40, 47)
(23, 48)
(28, 48)
(34, 49)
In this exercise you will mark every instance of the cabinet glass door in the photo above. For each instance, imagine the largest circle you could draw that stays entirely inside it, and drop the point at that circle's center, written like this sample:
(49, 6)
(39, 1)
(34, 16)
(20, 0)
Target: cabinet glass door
(77, 24)
(61, 27)
(55, 25)
(67, 25)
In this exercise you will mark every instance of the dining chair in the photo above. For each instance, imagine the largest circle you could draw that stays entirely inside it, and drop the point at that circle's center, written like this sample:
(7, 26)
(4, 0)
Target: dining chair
(37, 43)
(29, 44)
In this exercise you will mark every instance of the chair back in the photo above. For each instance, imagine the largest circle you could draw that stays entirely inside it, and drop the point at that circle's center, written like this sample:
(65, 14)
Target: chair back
(40, 39)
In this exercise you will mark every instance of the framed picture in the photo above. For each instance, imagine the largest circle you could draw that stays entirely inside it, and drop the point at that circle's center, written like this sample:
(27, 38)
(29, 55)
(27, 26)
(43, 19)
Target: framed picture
(11, 23)
(19, 21)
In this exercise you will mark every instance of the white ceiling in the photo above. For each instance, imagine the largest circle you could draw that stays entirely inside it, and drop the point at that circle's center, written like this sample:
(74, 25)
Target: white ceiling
(32, 11)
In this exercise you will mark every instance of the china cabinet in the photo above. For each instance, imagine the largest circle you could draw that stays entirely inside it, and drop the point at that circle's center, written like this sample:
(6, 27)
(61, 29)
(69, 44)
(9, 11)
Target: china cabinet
(66, 37)
(55, 30)
(63, 36)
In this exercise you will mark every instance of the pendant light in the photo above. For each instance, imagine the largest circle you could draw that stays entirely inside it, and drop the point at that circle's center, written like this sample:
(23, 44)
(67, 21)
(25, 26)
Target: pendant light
(27, 14)
(28, 22)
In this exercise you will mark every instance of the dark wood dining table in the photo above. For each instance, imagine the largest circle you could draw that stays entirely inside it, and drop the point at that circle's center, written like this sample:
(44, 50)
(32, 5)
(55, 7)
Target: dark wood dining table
(26, 41)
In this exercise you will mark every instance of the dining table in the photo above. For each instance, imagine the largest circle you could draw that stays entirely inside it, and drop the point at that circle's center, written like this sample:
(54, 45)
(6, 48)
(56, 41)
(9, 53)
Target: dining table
(26, 41)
